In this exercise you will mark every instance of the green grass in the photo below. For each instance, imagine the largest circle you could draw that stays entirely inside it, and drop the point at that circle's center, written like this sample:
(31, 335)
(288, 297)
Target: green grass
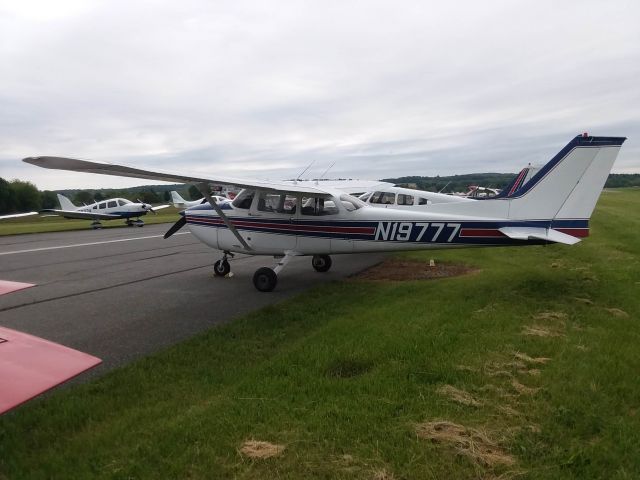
(42, 224)
(342, 374)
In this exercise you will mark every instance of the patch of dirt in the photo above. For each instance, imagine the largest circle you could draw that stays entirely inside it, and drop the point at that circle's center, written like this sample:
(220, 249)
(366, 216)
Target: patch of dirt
(458, 396)
(471, 443)
(383, 475)
(526, 358)
(550, 316)
(397, 269)
(616, 312)
(586, 301)
(261, 450)
(523, 389)
(540, 331)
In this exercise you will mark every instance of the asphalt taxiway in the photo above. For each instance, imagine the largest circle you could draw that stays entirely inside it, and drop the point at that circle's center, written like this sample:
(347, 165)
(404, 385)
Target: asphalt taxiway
(123, 293)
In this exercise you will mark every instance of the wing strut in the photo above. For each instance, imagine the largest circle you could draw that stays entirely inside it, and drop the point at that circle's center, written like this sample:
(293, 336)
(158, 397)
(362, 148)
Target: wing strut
(204, 189)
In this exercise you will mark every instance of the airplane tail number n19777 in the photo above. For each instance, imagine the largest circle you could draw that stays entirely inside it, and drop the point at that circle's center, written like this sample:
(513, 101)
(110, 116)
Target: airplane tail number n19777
(288, 219)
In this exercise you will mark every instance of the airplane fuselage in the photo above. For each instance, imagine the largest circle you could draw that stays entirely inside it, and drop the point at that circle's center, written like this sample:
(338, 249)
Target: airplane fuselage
(365, 229)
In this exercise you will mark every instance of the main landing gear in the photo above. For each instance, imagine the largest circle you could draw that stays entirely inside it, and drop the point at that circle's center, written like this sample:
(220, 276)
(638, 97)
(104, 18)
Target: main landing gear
(137, 223)
(265, 279)
(96, 225)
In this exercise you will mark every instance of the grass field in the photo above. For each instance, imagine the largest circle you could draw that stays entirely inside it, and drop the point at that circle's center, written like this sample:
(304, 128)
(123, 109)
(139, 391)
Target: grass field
(529, 368)
(40, 224)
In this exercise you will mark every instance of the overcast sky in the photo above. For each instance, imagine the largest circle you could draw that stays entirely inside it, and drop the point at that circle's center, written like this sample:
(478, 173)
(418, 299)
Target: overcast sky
(262, 88)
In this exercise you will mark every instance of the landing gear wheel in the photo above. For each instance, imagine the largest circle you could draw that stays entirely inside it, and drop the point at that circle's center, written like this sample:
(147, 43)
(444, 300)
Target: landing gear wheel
(221, 268)
(139, 223)
(321, 263)
(96, 225)
(265, 279)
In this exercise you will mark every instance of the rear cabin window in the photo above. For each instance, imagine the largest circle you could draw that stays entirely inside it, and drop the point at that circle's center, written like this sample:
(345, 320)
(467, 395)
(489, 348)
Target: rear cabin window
(102, 205)
(244, 199)
(277, 203)
(423, 201)
(405, 199)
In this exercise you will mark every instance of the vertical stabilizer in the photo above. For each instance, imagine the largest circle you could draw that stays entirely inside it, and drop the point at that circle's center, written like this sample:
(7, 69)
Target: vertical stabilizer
(65, 203)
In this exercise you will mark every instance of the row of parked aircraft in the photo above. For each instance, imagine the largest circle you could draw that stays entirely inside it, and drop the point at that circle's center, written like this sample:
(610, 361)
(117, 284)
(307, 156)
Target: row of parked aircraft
(289, 219)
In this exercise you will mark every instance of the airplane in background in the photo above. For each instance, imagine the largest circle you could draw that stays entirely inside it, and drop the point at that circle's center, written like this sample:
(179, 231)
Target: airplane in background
(408, 198)
(180, 202)
(110, 209)
(286, 220)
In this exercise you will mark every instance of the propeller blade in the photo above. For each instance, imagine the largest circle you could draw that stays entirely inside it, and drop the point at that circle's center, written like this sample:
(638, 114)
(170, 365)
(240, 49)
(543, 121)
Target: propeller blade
(176, 226)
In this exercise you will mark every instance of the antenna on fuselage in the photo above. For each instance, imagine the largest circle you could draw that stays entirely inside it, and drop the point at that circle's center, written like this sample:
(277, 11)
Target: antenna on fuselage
(302, 172)
(325, 172)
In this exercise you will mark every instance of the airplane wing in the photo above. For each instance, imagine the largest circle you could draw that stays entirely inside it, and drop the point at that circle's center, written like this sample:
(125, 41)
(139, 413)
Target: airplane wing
(82, 215)
(31, 365)
(349, 186)
(86, 166)
(16, 215)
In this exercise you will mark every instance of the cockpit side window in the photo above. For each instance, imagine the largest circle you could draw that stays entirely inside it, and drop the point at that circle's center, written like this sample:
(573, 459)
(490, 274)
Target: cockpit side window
(365, 196)
(318, 206)
(244, 199)
(112, 203)
(102, 205)
(423, 201)
(384, 198)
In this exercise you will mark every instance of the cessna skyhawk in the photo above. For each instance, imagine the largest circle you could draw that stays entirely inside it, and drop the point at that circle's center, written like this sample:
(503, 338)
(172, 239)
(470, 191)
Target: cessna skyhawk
(288, 219)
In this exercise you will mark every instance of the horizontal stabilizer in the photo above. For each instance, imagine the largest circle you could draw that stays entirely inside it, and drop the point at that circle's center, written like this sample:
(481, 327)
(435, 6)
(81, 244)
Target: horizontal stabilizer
(536, 233)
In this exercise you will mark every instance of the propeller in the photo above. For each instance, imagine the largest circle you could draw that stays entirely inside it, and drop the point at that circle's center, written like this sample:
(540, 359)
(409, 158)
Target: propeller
(176, 226)
(146, 206)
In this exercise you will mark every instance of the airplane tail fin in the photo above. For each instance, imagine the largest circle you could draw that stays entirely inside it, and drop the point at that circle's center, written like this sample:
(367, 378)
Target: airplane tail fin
(65, 203)
(177, 199)
(567, 188)
(555, 204)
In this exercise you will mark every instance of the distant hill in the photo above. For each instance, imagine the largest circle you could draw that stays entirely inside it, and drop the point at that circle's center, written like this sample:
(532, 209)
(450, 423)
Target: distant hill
(460, 183)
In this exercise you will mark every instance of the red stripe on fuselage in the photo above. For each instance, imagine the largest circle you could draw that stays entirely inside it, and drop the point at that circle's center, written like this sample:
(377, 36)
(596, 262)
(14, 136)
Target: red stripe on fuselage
(481, 232)
(575, 232)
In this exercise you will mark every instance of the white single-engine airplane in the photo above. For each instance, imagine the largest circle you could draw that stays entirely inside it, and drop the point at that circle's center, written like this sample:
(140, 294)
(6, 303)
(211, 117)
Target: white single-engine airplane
(110, 209)
(288, 220)
(180, 202)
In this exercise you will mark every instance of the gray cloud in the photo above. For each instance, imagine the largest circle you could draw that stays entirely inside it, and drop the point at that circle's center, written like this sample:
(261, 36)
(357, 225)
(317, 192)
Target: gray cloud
(264, 88)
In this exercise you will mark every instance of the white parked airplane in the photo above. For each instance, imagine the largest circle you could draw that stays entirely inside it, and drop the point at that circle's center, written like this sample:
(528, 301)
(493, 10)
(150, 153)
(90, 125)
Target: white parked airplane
(110, 209)
(288, 220)
(408, 199)
(180, 202)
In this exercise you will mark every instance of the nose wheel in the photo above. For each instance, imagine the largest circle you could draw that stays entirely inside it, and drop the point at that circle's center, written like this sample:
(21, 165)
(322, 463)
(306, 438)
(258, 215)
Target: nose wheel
(222, 268)
(321, 263)
(265, 279)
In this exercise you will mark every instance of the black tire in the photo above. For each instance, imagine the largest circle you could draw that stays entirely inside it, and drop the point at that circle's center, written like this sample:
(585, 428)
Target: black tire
(321, 263)
(221, 268)
(265, 279)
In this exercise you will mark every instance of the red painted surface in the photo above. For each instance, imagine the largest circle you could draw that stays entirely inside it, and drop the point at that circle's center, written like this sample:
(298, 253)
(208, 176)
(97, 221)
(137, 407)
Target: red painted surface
(8, 287)
(30, 365)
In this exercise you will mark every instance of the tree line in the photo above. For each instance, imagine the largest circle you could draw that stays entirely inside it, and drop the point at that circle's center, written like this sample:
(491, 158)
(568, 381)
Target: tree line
(18, 196)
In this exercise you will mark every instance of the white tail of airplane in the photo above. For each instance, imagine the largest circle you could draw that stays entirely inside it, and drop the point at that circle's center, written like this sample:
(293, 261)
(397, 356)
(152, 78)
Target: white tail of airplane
(65, 203)
(566, 188)
(176, 198)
